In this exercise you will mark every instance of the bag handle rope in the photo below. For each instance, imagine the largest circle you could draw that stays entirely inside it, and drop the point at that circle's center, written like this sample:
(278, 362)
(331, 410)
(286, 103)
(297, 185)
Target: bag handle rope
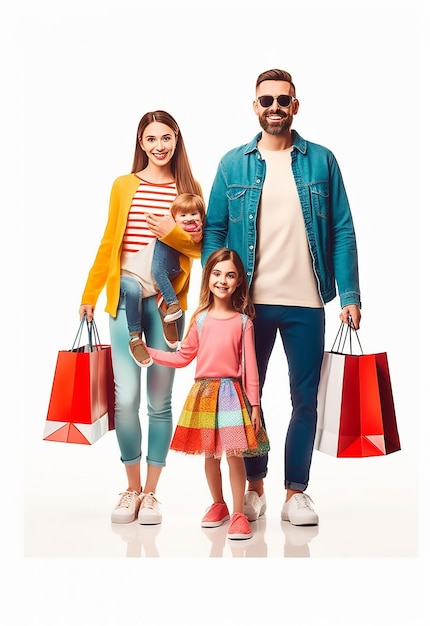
(93, 335)
(345, 334)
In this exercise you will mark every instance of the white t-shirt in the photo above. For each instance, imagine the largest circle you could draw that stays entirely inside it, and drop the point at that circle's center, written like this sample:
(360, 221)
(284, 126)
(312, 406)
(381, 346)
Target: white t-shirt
(283, 273)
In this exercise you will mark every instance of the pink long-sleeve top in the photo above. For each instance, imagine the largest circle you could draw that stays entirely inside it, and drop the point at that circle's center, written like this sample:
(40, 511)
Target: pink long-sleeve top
(218, 351)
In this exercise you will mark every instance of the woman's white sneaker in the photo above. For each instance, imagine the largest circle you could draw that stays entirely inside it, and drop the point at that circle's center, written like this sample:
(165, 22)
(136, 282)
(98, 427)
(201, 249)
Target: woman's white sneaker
(149, 512)
(299, 511)
(127, 508)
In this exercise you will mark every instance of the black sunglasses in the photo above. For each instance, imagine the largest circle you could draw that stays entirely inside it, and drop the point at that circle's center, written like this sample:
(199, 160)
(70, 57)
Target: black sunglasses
(283, 101)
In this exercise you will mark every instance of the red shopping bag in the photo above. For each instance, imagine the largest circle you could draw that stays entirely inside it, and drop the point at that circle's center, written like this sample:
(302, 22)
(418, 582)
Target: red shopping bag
(356, 413)
(81, 406)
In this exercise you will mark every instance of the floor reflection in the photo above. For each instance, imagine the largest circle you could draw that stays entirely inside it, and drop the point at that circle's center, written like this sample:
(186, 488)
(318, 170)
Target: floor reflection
(140, 540)
(254, 547)
(297, 539)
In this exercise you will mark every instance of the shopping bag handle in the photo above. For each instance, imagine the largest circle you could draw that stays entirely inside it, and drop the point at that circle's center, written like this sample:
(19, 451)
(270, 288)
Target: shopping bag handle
(345, 334)
(93, 335)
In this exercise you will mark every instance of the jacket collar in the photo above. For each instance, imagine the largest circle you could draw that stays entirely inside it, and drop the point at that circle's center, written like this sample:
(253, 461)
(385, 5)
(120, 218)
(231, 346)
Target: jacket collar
(299, 143)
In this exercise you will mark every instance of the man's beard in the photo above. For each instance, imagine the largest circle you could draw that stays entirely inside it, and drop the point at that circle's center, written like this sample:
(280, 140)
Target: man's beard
(275, 128)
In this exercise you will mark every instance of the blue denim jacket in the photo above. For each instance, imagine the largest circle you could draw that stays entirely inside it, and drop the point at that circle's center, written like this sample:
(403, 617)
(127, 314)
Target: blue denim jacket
(231, 219)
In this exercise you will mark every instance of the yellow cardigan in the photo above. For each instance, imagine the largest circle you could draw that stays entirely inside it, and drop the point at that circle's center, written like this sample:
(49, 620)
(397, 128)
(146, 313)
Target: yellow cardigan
(106, 267)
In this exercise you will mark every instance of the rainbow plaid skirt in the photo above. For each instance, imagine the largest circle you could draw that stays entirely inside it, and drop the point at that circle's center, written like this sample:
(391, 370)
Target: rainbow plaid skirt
(215, 420)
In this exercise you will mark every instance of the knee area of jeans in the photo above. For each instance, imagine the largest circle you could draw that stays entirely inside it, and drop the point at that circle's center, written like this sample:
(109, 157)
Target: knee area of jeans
(124, 411)
(161, 415)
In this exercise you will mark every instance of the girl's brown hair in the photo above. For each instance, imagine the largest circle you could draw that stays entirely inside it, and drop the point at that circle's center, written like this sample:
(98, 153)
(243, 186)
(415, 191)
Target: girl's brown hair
(180, 165)
(240, 299)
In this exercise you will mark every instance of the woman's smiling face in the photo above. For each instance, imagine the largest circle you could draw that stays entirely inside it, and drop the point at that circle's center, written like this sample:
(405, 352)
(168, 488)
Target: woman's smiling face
(159, 143)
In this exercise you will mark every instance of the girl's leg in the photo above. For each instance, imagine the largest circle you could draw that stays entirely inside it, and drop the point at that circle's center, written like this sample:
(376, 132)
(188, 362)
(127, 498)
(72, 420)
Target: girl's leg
(237, 481)
(217, 513)
(214, 478)
(239, 527)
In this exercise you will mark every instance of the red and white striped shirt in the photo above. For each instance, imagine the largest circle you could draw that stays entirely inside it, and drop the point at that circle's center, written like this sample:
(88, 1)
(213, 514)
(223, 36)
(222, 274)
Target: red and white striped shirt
(149, 198)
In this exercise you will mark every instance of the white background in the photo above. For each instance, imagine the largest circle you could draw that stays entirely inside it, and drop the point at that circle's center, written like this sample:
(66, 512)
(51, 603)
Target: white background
(77, 79)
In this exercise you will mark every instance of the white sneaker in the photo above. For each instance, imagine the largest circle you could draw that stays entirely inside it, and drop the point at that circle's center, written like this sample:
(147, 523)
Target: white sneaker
(299, 510)
(254, 505)
(149, 512)
(127, 507)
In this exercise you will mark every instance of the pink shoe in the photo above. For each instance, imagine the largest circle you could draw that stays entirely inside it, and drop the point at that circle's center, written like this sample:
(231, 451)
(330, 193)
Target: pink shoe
(215, 515)
(239, 527)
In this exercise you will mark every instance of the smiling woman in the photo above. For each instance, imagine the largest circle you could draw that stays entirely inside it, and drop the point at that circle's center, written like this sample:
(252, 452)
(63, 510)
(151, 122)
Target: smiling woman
(139, 212)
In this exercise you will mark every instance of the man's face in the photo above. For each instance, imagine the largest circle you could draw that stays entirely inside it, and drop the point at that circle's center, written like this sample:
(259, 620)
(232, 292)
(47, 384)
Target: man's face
(275, 119)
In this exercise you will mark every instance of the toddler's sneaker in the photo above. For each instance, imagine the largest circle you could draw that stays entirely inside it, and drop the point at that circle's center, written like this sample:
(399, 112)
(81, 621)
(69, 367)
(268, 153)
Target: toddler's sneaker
(239, 527)
(149, 512)
(170, 330)
(215, 515)
(139, 352)
(173, 312)
(127, 507)
(299, 511)
(170, 333)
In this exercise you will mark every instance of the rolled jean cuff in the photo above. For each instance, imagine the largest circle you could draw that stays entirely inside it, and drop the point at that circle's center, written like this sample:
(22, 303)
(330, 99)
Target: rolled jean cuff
(259, 476)
(133, 461)
(295, 486)
(155, 463)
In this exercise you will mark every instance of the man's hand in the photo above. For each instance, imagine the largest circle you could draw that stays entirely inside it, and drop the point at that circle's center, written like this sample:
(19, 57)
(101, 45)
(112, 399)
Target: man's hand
(353, 311)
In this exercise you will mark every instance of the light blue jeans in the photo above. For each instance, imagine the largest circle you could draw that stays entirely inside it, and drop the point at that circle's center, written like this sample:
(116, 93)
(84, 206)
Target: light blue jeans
(159, 384)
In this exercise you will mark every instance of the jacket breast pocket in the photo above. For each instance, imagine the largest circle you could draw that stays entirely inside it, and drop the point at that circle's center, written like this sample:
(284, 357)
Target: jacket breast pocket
(320, 198)
(236, 204)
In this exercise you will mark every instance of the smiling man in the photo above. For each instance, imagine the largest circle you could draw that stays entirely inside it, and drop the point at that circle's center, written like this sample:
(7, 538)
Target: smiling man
(280, 202)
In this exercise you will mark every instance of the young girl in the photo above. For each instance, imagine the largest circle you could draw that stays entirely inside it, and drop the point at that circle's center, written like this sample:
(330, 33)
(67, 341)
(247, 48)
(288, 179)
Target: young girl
(215, 418)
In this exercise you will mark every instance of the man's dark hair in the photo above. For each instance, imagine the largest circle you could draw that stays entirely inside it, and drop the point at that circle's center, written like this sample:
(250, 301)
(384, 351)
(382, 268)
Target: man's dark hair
(276, 75)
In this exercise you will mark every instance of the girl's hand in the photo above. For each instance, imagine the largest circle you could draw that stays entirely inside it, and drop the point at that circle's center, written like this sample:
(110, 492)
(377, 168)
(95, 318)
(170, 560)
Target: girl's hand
(87, 309)
(256, 418)
(160, 226)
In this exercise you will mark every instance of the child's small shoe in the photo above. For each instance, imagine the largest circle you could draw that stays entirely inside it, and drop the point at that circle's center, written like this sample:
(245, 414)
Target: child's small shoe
(172, 313)
(139, 352)
(170, 329)
(215, 515)
(239, 527)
